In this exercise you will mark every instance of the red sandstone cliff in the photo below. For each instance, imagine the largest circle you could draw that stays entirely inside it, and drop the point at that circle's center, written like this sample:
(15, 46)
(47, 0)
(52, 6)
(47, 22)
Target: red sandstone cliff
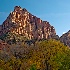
(20, 21)
(65, 38)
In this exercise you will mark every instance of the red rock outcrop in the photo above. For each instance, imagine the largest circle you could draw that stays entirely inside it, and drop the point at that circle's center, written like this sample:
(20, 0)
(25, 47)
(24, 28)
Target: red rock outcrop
(20, 21)
(65, 38)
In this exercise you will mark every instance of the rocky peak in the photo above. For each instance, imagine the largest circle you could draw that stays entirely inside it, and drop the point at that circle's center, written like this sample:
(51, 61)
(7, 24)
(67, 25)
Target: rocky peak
(18, 8)
(69, 31)
(65, 38)
(20, 21)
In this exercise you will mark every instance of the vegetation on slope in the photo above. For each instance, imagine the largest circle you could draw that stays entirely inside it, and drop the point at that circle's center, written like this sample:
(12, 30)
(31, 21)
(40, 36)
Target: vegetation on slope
(42, 55)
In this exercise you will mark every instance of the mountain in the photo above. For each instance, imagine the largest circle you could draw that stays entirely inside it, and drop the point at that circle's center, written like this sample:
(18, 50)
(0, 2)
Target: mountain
(65, 38)
(21, 22)
(28, 43)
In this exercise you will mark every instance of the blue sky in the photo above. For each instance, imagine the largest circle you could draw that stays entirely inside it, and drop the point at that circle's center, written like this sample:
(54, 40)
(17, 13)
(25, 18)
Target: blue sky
(57, 12)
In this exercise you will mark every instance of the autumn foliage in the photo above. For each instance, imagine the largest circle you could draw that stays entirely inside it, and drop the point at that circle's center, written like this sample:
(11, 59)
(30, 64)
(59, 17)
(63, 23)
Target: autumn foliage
(42, 55)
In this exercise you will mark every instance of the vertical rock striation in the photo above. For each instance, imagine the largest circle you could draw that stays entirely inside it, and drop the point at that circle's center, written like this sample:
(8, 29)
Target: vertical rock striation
(20, 21)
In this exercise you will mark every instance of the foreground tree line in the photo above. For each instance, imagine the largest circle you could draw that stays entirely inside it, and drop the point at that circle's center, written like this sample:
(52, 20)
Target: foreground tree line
(39, 55)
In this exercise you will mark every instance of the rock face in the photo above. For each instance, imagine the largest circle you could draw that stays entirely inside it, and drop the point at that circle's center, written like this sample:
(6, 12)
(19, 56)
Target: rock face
(65, 38)
(20, 21)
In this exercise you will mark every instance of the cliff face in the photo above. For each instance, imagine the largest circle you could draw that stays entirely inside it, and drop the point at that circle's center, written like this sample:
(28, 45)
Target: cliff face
(20, 21)
(65, 38)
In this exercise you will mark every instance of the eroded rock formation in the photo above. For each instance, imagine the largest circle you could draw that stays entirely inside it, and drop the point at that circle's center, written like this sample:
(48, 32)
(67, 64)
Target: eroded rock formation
(65, 38)
(20, 21)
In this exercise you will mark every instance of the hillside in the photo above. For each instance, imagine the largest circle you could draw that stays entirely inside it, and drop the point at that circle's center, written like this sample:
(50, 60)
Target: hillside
(29, 43)
(44, 55)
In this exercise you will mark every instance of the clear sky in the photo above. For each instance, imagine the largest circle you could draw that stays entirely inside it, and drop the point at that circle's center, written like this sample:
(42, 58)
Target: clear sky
(57, 12)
